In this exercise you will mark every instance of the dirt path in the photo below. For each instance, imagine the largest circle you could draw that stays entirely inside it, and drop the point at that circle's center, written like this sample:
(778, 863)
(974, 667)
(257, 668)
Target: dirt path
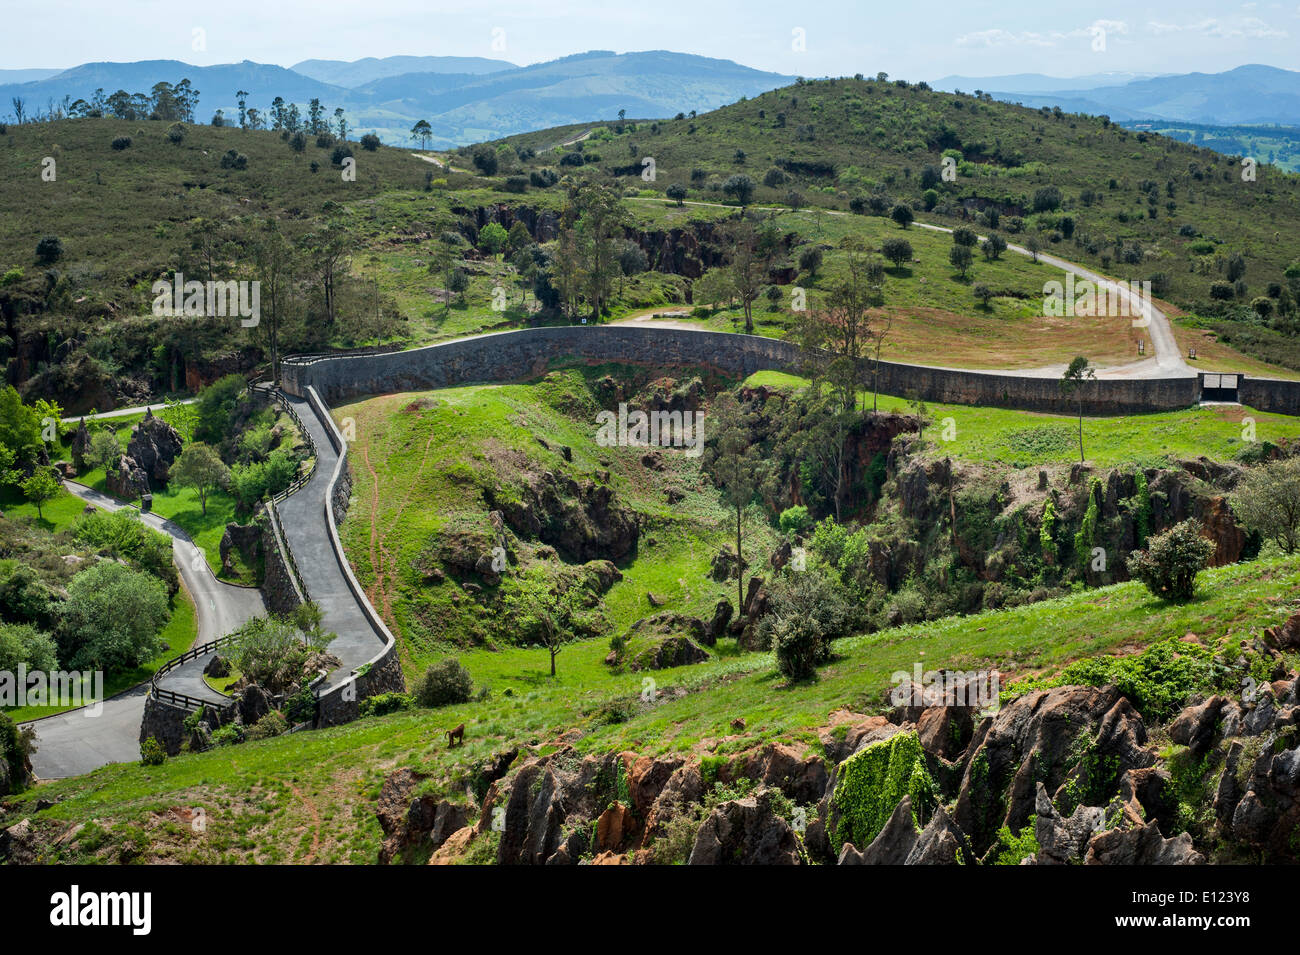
(315, 823)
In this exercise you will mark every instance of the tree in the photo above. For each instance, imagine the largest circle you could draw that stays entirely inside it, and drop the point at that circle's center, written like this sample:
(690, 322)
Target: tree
(1268, 502)
(1072, 381)
(1034, 244)
(964, 236)
(677, 193)
(485, 161)
(1169, 565)
(547, 613)
(275, 263)
(740, 188)
(598, 236)
(49, 250)
(748, 264)
(105, 450)
(328, 255)
(492, 238)
(898, 251)
(421, 132)
(199, 467)
(961, 258)
(41, 488)
(983, 293)
(808, 611)
(737, 468)
(241, 97)
(993, 246)
(902, 214)
(370, 142)
(112, 617)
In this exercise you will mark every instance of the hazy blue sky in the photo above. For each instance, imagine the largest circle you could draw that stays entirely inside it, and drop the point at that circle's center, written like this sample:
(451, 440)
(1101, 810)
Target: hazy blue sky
(917, 40)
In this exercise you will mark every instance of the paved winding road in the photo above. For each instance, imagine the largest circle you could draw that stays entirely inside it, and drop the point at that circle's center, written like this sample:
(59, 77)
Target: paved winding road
(303, 520)
(80, 740)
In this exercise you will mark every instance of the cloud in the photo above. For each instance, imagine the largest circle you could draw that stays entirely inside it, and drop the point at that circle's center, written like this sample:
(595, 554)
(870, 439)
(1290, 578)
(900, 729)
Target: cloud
(999, 37)
(1236, 28)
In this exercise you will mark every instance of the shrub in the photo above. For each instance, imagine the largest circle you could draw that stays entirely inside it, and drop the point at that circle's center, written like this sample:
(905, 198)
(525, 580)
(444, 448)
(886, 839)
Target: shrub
(21, 643)
(152, 753)
(383, 703)
(1172, 560)
(516, 184)
(228, 735)
(301, 707)
(16, 746)
(272, 724)
(739, 188)
(443, 684)
(339, 154)
(233, 159)
(543, 178)
(122, 142)
(369, 142)
(49, 250)
(794, 520)
(808, 612)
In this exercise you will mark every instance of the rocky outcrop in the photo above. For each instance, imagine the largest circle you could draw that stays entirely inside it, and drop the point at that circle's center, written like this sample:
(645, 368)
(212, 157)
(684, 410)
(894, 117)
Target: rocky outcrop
(583, 520)
(747, 831)
(414, 822)
(662, 641)
(154, 446)
(81, 446)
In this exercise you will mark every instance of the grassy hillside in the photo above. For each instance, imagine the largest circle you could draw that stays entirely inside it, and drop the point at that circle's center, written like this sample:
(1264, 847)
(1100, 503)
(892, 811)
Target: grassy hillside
(426, 467)
(311, 797)
(1121, 188)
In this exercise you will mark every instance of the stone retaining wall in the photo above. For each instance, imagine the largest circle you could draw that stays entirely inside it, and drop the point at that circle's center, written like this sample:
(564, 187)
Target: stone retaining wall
(510, 356)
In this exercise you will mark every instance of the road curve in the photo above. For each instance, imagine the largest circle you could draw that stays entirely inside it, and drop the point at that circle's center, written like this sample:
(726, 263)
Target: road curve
(80, 740)
(1167, 362)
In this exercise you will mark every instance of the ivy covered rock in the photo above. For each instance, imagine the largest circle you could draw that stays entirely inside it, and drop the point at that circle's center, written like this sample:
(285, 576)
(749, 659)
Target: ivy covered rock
(869, 786)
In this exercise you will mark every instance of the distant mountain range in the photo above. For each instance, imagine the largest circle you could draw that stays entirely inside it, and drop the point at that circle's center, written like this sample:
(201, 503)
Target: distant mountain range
(1037, 82)
(1248, 95)
(465, 99)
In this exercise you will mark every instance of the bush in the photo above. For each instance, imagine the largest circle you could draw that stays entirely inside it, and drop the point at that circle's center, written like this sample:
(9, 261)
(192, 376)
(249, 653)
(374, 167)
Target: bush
(443, 684)
(794, 520)
(152, 753)
(16, 746)
(369, 142)
(23, 644)
(543, 178)
(49, 250)
(382, 704)
(1172, 560)
(808, 612)
(273, 653)
(233, 159)
(122, 142)
(516, 184)
(272, 724)
(301, 707)
(228, 735)
(339, 154)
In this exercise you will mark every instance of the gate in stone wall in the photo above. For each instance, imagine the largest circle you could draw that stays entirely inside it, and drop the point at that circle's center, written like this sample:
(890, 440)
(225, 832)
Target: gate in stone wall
(1217, 386)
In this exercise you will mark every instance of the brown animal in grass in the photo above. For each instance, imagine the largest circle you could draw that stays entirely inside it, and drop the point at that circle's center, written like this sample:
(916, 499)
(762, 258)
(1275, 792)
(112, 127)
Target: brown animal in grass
(456, 737)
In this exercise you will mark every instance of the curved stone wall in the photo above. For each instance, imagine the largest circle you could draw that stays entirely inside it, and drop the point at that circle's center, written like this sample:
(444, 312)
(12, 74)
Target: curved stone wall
(511, 356)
